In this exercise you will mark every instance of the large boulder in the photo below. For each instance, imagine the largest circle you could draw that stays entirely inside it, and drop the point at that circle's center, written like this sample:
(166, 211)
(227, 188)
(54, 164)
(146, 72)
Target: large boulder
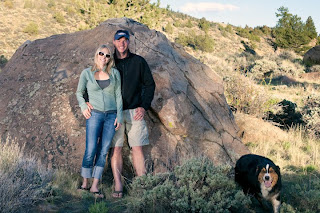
(189, 114)
(312, 56)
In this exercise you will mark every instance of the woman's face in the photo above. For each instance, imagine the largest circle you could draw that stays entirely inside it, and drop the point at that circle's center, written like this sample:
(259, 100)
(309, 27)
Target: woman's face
(103, 57)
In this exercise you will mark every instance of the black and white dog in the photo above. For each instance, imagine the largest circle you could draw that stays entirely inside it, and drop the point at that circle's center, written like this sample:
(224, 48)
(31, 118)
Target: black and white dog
(260, 177)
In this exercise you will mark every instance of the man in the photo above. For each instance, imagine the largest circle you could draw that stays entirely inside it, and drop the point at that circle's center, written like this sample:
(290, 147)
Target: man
(137, 87)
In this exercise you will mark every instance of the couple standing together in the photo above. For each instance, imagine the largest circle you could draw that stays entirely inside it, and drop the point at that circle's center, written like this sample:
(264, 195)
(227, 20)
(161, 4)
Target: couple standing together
(120, 89)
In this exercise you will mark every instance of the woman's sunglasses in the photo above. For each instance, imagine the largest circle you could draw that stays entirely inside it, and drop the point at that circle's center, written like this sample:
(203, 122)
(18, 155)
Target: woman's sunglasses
(102, 54)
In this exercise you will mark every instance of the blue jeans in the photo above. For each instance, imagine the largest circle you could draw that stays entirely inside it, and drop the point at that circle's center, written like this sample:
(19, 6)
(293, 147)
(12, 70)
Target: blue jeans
(100, 124)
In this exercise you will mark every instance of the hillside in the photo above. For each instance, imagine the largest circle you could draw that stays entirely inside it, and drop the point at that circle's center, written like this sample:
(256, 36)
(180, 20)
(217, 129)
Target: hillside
(256, 76)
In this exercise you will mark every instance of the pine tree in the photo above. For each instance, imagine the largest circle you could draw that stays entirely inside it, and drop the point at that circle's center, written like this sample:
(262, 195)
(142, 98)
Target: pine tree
(310, 28)
(290, 30)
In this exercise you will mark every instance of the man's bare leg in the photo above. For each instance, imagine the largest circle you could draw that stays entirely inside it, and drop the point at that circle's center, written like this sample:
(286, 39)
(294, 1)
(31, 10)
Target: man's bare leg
(138, 160)
(116, 165)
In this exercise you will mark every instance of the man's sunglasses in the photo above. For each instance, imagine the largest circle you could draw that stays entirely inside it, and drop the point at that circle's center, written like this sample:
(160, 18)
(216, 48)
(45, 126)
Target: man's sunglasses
(102, 54)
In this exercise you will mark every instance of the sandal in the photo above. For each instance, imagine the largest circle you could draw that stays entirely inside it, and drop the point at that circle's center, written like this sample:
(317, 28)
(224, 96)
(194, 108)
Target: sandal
(117, 194)
(97, 194)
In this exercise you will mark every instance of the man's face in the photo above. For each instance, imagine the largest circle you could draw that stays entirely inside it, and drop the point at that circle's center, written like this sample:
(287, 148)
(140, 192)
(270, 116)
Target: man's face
(121, 44)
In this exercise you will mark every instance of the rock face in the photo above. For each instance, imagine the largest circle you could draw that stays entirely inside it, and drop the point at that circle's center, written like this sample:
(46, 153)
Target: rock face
(189, 115)
(312, 56)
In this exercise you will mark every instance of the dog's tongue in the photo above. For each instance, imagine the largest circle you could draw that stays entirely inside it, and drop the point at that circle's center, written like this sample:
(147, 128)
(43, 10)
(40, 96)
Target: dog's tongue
(267, 183)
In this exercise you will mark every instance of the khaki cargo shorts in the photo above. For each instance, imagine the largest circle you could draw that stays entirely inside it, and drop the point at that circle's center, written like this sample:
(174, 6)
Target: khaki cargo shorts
(136, 131)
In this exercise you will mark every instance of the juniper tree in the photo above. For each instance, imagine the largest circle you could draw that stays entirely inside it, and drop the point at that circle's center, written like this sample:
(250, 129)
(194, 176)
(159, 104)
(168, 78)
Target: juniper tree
(290, 30)
(310, 28)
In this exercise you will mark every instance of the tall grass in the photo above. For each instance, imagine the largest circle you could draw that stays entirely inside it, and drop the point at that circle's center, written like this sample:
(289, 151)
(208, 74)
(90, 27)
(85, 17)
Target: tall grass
(294, 147)
(23, 180)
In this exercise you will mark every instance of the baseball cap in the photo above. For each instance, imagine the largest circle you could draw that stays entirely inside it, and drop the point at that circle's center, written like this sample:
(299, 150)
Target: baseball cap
(121, 33)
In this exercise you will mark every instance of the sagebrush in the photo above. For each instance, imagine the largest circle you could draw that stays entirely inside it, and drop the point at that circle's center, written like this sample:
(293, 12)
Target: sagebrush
(195, 186)
(23, 180)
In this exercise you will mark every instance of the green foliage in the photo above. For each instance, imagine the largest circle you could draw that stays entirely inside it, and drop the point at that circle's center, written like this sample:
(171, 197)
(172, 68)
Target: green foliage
(204, 24)
(303, 191)
(177, 23)
(99, 207)
(168, 28)
(266, 30)
(32, 29)
(225, 30)
(291, 32)
(229, 28)
(249, 33)
(204, 43)
(3, 61)
(195, 186)
(58, 16)
(310, 29)
(198, 42)
(318, 40)
(189, 24)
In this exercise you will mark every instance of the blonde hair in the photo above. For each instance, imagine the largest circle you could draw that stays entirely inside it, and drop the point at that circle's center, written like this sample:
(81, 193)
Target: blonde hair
(110, 63)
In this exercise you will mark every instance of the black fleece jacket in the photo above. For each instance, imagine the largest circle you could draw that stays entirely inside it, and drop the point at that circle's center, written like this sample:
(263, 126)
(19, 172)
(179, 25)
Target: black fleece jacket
(137, 84)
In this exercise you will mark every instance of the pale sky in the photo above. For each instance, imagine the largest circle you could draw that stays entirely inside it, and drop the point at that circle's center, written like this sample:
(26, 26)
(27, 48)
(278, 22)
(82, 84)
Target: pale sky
(245, 12)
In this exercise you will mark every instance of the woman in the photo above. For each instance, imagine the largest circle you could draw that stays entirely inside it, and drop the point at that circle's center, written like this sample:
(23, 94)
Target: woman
(103, 85)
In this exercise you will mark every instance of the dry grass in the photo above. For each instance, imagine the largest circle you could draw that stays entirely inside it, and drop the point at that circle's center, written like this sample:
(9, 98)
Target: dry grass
(23, 180)
(287, 148)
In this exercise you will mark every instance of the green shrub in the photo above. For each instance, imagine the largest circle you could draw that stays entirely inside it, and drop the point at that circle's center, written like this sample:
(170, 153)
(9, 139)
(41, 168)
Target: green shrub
(248, 33)
(204, 43)
(3, 61)
(99, 207)
(195, 186)
(198, 42)
(177, 23)
(204, 24)
(32, 29)
(168, 28)
(58, 16)
(189, 24)
(303, 191)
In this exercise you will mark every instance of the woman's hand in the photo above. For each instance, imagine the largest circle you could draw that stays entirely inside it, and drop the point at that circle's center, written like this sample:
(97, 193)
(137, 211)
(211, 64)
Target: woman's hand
(87, 112)
(118, 125)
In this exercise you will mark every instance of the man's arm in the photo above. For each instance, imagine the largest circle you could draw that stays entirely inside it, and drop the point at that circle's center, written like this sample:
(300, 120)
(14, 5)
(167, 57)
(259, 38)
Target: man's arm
(148, 86)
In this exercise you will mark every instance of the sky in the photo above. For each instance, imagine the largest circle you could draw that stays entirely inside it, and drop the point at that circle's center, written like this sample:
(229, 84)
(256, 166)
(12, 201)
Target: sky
(245, 12)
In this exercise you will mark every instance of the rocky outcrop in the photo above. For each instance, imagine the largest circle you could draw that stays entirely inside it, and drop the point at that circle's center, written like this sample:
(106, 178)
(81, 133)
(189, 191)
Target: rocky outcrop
(189, 115)
(312, 56)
